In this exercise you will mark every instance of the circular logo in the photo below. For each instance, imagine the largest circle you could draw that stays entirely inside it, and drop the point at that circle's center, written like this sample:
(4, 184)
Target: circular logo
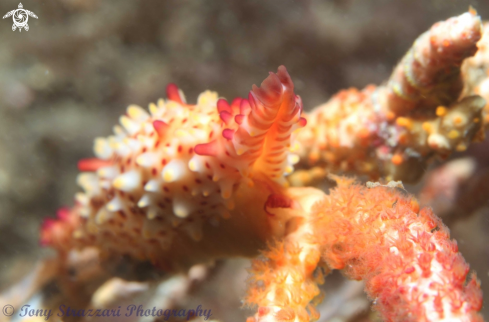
(8, 310)
(20, 17)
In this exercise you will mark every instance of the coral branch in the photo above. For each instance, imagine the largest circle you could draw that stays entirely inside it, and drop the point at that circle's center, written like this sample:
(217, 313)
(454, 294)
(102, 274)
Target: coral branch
(395, 130)
(429, 74)
(412, 269)
(283, 283)
(476, 72)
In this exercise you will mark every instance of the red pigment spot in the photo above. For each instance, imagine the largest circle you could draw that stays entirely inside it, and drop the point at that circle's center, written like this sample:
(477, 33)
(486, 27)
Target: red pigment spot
(221, 165)
(154, 171)
(198, 181)
(207, 165)
(163, 162)
(184, 120)
(122, 168)
(179, 149)
(190, 151)
(227, 153)
(211, 134)
(166, 189)
(122, 214)
(209, 177)
(128, 162)
(157, 143)
(131, 198)
(92, 164)
(185, 188)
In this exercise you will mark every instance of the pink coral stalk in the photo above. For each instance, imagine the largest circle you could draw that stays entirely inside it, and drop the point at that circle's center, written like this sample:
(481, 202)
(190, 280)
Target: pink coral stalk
(413, 270)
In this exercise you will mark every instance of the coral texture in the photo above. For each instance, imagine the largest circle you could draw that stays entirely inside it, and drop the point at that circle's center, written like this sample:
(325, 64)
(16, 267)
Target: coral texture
(413, 271)
(395, 130)
(476, 72)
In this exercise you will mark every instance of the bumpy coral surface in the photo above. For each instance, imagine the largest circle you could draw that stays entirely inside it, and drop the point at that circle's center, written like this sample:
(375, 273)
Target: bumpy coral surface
(413, 270)
(476, 72)
(394, 130)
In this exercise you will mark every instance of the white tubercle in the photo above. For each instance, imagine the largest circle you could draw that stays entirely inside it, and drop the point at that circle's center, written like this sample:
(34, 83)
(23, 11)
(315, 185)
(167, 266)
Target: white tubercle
(82, 198)
(128, 181)
(108, 172)
(173, 171)
(153, 109)
(89, 182)
(182, 208)
(133, 144)
(152, 186)
(115, 204)
(144, 201)
(130, 125)
(226, 187)
(103, 215)
(196, 163)
(147, 159)
(119, 131)
(137, 113)
(152, 213)
(102, 149)
(119, 146)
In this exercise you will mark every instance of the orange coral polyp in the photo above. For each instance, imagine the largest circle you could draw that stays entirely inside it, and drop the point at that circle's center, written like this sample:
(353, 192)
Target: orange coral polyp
(412, 269)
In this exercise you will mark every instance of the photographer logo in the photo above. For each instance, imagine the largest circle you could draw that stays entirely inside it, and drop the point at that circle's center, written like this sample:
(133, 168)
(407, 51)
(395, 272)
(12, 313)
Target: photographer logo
(20, 17)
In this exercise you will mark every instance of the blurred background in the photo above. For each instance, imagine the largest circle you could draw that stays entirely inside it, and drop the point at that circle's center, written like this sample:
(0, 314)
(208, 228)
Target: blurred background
(66, 81)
